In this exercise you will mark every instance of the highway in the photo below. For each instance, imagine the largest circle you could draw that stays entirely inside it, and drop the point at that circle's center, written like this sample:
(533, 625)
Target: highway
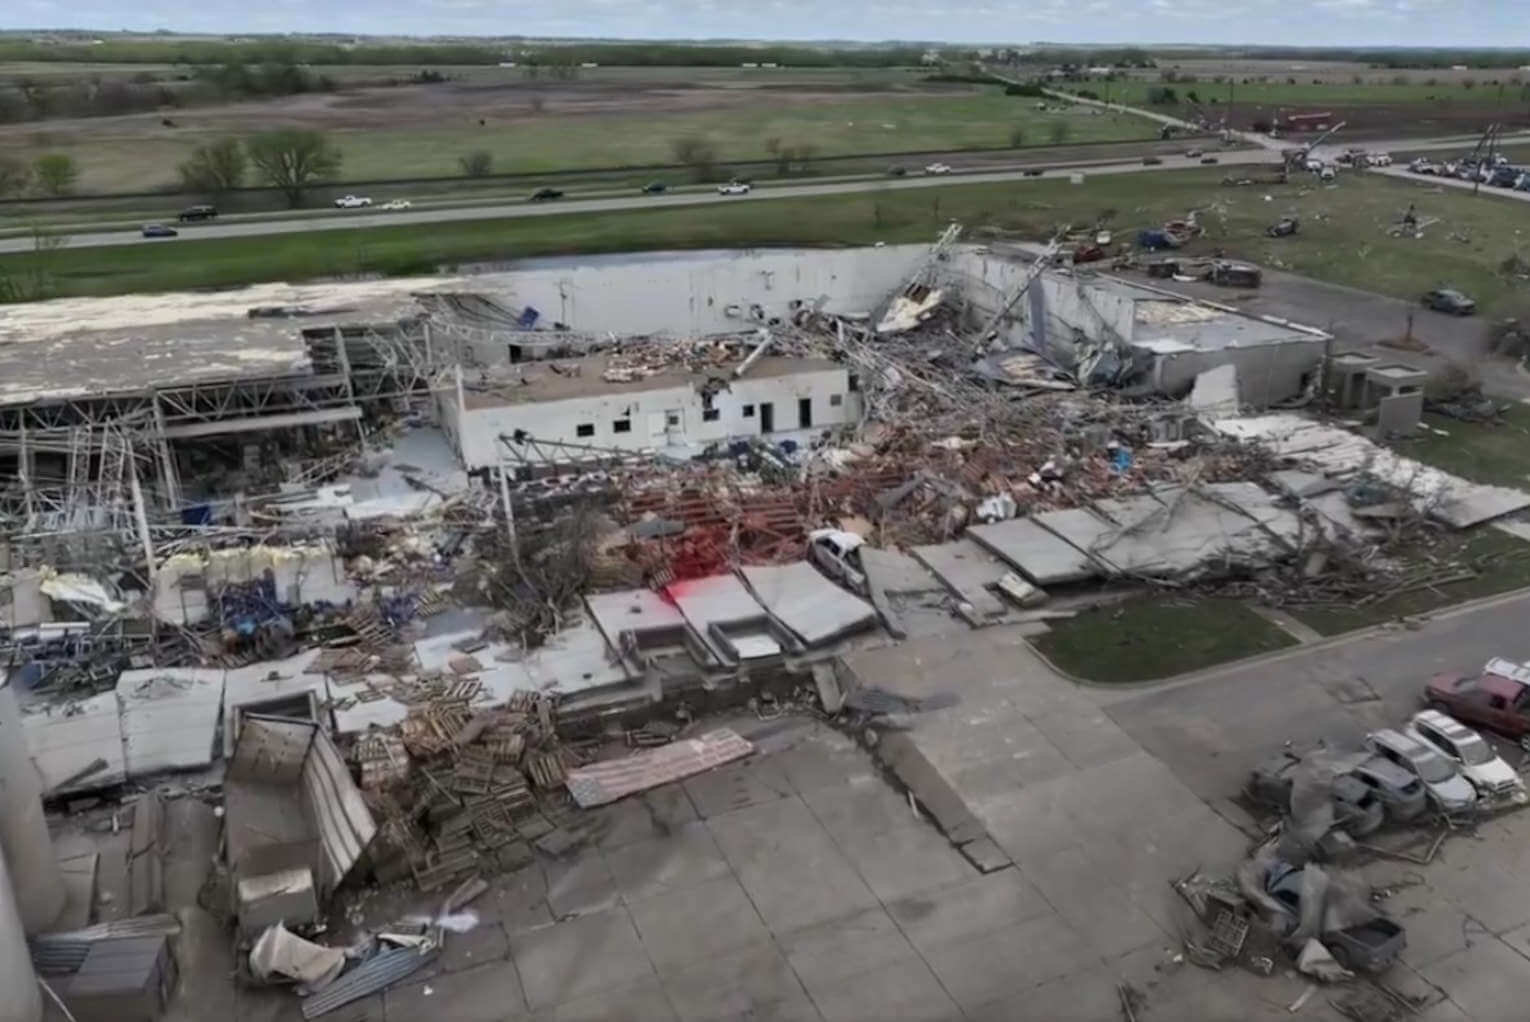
(508, 210)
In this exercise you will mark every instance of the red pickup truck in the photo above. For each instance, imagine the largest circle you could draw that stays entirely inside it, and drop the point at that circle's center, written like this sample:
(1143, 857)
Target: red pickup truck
(1496, 699)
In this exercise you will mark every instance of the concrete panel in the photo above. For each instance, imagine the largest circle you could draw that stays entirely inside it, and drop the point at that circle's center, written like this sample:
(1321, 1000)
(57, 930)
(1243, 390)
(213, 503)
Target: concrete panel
(577, 957)
(967, 570)
(1036, 553)
(802, 599)
(65, 738)
(169, 717)
(726, 616)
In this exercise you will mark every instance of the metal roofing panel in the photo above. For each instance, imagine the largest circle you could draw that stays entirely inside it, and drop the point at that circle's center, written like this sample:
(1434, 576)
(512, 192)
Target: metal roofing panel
(169, 717)
(66, 737)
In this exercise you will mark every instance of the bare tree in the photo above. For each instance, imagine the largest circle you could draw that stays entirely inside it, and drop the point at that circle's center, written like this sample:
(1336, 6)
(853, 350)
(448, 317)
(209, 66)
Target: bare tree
(478, 163)
(214, 168)
(697, 153)
(15, 176)
(292, 159)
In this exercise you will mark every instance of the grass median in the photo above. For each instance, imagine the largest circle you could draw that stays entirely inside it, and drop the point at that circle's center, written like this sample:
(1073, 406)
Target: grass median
(1343, 235)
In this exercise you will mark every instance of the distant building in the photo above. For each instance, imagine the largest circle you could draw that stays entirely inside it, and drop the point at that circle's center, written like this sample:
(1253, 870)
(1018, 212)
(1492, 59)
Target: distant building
(1307, 122)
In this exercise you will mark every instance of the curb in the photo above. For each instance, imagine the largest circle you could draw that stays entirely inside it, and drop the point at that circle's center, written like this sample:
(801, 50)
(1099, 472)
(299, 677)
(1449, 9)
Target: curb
(1275, 656)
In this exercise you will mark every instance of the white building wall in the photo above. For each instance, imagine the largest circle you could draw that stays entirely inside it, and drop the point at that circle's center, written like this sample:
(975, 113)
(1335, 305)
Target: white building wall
(1067, 299)
(688, 294)
(650, 414)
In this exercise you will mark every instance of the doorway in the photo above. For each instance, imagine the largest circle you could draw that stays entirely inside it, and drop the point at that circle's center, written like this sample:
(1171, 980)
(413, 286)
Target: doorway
(767, 417)
(804, 412)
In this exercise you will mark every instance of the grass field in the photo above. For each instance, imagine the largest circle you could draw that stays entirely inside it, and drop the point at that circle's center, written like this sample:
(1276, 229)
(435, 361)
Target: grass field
(1497, 453)
(141, 154)
(1279, 92)
(1343, 235)
(1157, 637)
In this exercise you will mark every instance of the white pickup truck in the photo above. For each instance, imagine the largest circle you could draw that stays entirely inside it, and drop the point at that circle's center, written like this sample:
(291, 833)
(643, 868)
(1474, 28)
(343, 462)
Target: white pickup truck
(733, 188)
(352, 202)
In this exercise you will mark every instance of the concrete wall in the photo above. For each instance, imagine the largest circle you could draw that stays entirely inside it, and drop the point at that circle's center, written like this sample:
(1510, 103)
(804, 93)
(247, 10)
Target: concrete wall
(1266, 373)
(1068, 301)
(24, 837)
(686, 294)
(22, 1000)
(647, 411)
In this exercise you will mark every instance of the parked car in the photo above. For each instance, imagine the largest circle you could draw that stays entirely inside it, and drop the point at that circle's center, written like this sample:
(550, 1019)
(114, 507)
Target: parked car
(1328, 173)
(1367, 946)
(546, 194)
(1151, 161)
(1423, 166)
(835, 553)
(1379, 159)
(1229, 274)
(1445, 299)
(191, 213)
(1442, 782)
(733, 188)
(1284, 227)
(159, 231)
(1313, 164)
(1496, 699)
(937, 168)
(655, 188)
(1475, 758)
(1399, 791)
(396, 204)
(352, 202)
(1356, 806)
(1505, 177)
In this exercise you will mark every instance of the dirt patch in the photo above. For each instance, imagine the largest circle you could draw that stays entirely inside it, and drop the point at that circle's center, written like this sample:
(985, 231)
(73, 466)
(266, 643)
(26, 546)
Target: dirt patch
(1393, 120)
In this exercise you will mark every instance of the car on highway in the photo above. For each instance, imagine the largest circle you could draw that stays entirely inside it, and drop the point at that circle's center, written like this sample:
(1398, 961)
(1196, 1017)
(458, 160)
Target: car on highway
(733, 188)
(159, 231)
(1423, 166)
(191, 213)
(897, 171)
(1193, 154)
(1474, 757)
(1209, 159)
(1442, 782)
(352, 202)
(655, 188)
(396, 204)
(1498, 698)
(1379, 159)
(1034, 171)
(545, 195)
(937, 168)
(1448, 299)
(1151, 161)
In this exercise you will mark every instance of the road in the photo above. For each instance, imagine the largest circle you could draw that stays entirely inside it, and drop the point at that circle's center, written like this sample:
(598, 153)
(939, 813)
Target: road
(512, 210)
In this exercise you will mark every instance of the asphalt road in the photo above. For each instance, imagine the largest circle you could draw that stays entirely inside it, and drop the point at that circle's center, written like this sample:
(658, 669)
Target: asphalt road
(530, 209)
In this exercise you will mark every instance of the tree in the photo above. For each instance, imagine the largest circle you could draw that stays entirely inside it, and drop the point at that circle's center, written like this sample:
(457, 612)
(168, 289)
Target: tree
(1016, 137)
(14, 177)
(1058, 131)
(292, 159)
(696, 152)
(477, 163)
(55, 173)
(214, 168)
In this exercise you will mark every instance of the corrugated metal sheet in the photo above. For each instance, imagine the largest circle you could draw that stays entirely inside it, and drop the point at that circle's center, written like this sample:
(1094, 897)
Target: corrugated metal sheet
(344, 823)
(65, 738)
(377, 973)
(605, 782)
(169, 717)
(58, 958)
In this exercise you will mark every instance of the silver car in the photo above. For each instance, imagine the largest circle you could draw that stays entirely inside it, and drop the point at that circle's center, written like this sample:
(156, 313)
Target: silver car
(1399, 791)
(1444, 784)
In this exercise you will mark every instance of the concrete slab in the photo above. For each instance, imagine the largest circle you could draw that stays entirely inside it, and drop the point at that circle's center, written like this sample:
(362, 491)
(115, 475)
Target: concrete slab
(1487, 980)
(485, 993)
(169, 717)
(968, 571)
(686, 857)
(907, 991)
(816, 610)
(729, 620)
(645, 1000)
(686, 925)
(982, 969)
(1030, 549)
(486, 942)
(982, 905)
(642, 612)
(650, 814)
(825, 955)
(756, 983)
(581, 956)
(65, 738)
(905, 860)
(789, 865)
(580, 884)
(736, 786)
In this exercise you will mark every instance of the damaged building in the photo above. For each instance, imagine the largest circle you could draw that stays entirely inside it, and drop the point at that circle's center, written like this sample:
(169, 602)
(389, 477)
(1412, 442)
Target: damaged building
(418, 569)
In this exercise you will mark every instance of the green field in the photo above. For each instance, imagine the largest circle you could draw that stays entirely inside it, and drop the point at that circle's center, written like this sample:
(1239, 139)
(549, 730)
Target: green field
(1279, 92)
(1349, 245)
(1156, 637)
(1496, 453)
(139, 154)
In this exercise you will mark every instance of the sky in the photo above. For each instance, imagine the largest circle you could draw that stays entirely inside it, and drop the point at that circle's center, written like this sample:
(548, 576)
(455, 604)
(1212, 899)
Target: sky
(984, 22)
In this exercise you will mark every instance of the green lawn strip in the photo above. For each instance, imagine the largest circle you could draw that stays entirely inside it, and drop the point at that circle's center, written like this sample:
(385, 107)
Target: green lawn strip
(1155, 637)
(1496, 452)
(1338, 227)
